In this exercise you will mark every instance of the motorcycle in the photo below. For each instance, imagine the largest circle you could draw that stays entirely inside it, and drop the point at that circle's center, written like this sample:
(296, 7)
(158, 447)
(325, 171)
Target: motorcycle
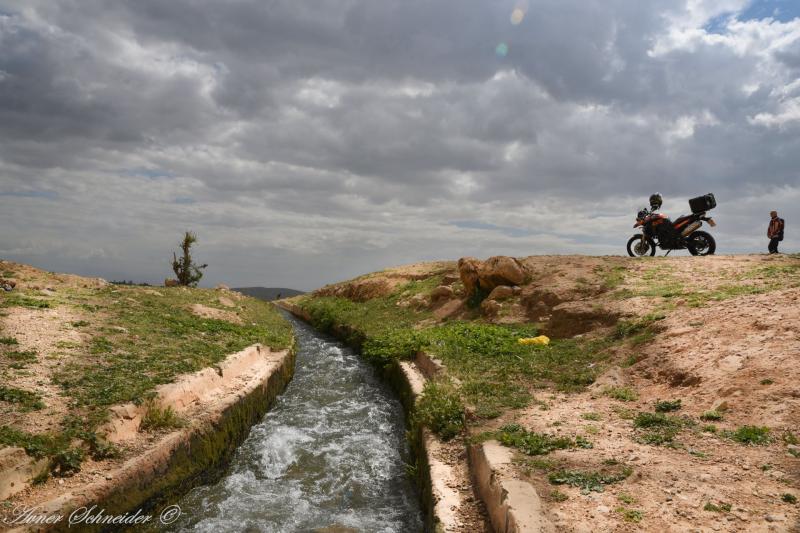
(682, 234)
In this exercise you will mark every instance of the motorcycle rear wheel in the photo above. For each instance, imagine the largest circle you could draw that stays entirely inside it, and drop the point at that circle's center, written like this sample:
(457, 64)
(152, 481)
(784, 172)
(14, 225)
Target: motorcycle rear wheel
(701, 243)
(637, 248)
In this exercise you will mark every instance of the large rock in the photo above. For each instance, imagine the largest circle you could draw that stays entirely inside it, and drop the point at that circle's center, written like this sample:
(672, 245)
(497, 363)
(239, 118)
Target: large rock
(501, 292)
(468, 271)
(441, 292)
(490, 307)
(494, 272)
(500, 270)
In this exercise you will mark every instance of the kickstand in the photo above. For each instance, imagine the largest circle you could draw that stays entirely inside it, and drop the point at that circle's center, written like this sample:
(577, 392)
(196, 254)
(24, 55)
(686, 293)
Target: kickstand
(668, 251)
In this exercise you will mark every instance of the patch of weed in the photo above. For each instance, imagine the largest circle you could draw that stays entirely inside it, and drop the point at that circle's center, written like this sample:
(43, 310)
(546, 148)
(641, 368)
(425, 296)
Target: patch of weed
(717, 508)
(25, 400)
(657, 428)
(623, 394)
(630, 515)
(750, 435)
(711, 416)
(667, 406)
(440, 409)
(789, 498)
(80, 324)
(8, 341)
(531, 443)
(558, 496)
(591, 416)
(158, 417)
(15, 299)
(589, 481)
(626, 498)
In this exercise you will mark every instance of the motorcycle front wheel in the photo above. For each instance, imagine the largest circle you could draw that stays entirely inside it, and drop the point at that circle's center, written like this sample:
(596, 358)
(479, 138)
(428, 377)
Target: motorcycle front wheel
(701, 243)
(638, 247)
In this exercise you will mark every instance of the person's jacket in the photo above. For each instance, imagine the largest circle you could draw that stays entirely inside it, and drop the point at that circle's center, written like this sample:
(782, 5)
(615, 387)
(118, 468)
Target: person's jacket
(776, 228)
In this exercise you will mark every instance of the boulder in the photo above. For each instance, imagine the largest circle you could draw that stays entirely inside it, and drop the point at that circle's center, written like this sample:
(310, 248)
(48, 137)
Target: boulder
(442, 292)
(500, 270)
(468, 272)
(501, 292)
(490, 307)
(449, 309)
(171, 283)
(419, 301)
(449, 279)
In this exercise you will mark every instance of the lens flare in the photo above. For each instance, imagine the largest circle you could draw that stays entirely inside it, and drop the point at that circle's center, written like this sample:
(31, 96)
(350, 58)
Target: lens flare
(517, 15)
(501, 50)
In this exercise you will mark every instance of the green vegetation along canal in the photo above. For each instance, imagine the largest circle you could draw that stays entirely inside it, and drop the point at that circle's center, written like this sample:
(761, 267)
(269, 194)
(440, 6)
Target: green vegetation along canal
(329, 456)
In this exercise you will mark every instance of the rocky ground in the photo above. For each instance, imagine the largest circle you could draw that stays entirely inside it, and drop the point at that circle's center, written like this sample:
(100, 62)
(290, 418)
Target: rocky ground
(689, 418)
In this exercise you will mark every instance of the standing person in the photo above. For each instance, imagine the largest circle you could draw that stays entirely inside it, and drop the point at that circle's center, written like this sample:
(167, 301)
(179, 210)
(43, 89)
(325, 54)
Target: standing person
(775, 232)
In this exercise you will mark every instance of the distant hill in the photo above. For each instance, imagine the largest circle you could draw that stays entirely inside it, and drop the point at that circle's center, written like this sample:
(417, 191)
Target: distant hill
(268, 293)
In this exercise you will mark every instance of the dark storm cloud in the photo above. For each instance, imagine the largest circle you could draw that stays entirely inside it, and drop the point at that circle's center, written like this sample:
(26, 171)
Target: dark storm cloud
(308, 141)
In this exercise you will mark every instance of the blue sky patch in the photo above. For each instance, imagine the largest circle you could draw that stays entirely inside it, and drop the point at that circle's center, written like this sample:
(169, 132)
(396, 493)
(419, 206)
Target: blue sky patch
(780, 10)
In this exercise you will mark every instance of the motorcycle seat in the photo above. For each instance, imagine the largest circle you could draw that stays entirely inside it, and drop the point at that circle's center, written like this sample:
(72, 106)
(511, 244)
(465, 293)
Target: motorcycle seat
(681, 219)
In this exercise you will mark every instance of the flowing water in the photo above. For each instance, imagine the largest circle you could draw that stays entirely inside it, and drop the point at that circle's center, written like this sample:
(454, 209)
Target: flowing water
(328, 456)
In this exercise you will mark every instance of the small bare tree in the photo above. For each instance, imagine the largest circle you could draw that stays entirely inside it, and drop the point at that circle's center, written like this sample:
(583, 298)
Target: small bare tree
(185, 269)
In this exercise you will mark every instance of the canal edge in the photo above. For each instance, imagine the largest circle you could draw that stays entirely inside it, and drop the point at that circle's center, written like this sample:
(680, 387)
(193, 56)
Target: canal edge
(436, 479)
(192, 455)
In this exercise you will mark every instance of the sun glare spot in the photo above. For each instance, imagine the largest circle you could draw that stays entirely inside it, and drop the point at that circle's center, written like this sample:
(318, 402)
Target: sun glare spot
(517, 15)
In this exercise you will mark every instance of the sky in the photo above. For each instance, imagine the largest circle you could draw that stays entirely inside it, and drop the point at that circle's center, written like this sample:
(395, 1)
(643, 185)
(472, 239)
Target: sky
(309, 142)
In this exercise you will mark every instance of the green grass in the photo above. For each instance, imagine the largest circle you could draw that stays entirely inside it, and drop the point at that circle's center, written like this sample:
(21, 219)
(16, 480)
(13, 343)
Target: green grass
(440, 409)
(623, 394)
(711, 416)
(789, 498)
(17, 299)
(657, 428)
(667, 406)
(591, 416)
(495, 371)
(613, 277)
(750, 435)
(633, 516)
(717, 508)
(531, 443)
(24, 400)
(590, 481)
(136, 341)
(158, 417)
(160, 339)
(558, 496)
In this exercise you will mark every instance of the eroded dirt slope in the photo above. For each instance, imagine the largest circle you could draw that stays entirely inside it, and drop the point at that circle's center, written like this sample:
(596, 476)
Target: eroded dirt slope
(674, 383)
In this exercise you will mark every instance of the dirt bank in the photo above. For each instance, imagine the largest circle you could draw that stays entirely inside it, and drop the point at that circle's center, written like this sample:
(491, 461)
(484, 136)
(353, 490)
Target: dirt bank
(667, 399)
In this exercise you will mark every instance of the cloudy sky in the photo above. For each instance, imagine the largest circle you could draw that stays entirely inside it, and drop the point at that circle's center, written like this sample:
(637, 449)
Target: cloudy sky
(310, 141)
